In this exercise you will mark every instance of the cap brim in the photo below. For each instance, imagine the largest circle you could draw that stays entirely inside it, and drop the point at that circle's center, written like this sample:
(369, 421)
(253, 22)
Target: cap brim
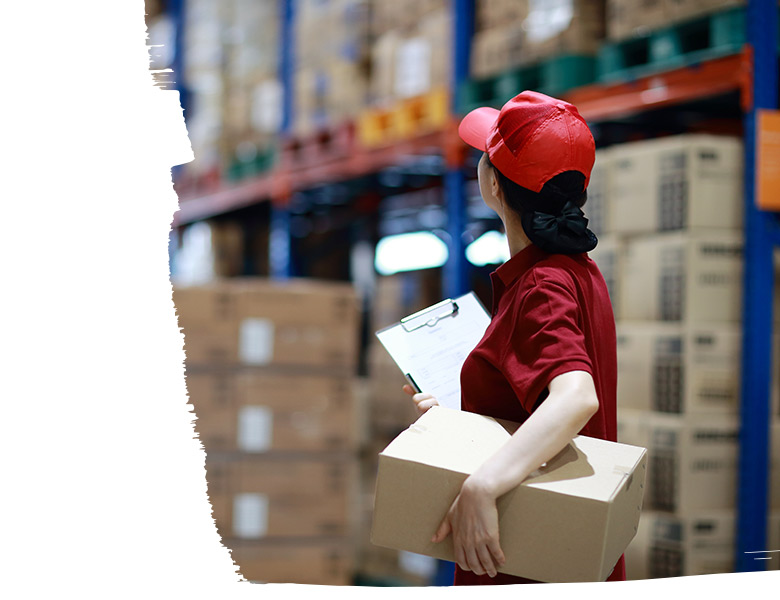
(475, 127)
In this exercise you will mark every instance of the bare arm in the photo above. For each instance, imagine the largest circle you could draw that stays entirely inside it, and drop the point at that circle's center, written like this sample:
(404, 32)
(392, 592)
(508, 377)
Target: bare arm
(557, 420)
(473, 518)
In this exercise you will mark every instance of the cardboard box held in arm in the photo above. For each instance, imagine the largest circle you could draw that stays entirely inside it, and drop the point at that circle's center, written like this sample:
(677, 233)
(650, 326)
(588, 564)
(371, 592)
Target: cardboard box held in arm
(570, 521)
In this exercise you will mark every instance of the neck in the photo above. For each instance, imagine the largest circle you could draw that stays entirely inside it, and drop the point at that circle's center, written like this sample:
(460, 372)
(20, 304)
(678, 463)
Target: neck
(515, 234)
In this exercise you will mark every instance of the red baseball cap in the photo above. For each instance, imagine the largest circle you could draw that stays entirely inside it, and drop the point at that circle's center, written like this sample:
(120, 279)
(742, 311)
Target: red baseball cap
(532, 139)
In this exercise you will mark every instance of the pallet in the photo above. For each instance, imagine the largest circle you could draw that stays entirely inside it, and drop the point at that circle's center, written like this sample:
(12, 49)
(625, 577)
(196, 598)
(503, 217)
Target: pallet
(404, 120)
(265, 159)
(325, 144)
(553, 77)
(683, 44)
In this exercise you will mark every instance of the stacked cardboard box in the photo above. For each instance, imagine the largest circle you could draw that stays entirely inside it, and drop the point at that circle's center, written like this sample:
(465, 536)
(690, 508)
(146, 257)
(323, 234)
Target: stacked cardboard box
(696, 545)
(271, 375)
(511, 33)
(331, 54)
(685, 182)
(626, 18)
(681, 10)
(389, 412)
(410, 49)
(231, 71)
(669, 212)
(693, 466)
(252, 111)
(205, 25)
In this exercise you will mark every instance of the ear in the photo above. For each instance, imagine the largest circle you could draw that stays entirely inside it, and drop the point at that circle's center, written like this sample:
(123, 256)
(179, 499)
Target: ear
(495, 187)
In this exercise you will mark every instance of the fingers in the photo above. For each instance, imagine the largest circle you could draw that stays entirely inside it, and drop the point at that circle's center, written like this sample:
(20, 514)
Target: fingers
(479, 559)
(486, 561)
(460, 558)
(425, 405)
(496, 552)
(473, 562)
(423, 402)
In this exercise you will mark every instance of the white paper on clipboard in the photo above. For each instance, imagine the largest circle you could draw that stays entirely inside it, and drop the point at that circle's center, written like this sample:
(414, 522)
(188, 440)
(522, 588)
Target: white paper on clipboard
(431, 345)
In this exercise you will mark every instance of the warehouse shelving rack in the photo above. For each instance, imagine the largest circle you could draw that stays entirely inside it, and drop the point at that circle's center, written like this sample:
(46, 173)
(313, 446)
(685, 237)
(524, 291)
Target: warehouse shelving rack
(753, 74)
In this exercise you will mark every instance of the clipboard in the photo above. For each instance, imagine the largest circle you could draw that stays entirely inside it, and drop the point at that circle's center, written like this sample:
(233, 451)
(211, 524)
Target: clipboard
(431, 345)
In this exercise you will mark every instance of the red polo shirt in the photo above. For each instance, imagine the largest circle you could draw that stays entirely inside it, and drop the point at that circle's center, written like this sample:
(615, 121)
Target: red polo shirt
(551, 315)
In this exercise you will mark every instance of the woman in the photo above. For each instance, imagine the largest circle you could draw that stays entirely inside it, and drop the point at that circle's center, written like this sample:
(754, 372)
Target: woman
(548, 357)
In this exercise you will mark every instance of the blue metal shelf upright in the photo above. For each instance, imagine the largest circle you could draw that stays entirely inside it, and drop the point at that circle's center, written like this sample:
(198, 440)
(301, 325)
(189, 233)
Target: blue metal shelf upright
(280, 243)
(455, 276)
(456, 270)
(760, 239)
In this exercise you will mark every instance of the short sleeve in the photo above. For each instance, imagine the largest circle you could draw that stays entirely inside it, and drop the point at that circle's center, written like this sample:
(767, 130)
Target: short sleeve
(546, 341)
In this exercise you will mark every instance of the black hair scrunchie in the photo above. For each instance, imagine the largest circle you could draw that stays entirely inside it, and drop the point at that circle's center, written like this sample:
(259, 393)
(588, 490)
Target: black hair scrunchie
(564, 233)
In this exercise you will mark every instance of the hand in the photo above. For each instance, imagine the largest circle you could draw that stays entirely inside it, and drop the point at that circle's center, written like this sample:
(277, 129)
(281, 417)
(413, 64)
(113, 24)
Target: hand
(422, 401)
(473, 522)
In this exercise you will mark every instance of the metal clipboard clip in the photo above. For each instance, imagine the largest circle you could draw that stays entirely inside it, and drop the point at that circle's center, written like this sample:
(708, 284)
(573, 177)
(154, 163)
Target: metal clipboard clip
(424, 318)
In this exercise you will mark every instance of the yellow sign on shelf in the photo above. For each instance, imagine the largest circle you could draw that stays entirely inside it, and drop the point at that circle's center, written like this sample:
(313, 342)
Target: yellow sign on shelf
(768, 160)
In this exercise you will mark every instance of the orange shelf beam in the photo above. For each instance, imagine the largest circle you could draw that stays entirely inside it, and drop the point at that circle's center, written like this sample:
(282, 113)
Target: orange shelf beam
(226, 199)
(296, 175)
(706, 79)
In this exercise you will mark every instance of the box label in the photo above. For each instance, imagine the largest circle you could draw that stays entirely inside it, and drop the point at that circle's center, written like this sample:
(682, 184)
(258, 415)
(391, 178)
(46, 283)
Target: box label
(548, 18)
(255, 427)
(413, 68)
(256, 341)
(250, 515)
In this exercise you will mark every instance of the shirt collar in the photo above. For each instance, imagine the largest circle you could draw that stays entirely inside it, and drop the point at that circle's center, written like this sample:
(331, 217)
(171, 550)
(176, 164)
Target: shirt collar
(519, 264)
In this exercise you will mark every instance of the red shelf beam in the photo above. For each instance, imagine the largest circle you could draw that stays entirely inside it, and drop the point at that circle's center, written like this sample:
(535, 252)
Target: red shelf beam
(711, 78)
(228, 198)
(305, 174)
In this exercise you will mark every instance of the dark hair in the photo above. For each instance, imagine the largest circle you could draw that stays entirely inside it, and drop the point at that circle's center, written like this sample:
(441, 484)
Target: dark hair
(564, 186)
(552, 218)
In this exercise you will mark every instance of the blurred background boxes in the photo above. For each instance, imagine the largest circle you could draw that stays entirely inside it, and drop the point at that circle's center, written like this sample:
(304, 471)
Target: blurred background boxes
(683, 369)
(597, 209)
(679, 369)
(513, 34)
(634, 18)
(265, 324)
(680, 10)
(692, 463)
(286, 496)
(278, 414)
(626, 17)
(608, 256)
(253, 411)
(686, 277)
(307, 562)
(411, 58)
(686, 182)
(637, 555)
(672, 546)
